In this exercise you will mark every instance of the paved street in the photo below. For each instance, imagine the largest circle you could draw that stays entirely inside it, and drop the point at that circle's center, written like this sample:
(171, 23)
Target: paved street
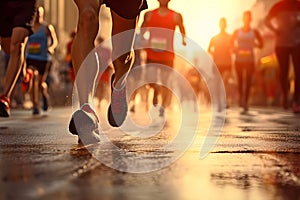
(256, 157)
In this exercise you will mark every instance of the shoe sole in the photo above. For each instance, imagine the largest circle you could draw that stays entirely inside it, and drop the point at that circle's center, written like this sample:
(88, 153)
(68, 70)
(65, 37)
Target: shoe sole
(3, 110)
(72, 127)
(85, 128)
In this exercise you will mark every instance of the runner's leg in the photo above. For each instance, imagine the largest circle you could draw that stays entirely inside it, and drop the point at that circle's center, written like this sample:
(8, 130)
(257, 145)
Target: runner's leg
(15, 46)
(296, 63)
(282, 55)
(123, 63)
(248, 80)
(83, 44)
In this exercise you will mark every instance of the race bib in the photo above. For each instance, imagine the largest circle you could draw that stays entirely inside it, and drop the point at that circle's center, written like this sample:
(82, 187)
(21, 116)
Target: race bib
(158, 44)
(34, 48)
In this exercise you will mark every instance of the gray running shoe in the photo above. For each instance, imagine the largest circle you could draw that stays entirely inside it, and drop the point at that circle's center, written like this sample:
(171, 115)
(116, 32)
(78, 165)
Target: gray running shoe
(85, 125)
(118, 107)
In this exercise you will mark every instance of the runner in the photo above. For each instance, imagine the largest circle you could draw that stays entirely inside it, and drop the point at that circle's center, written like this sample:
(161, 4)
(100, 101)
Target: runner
(68, 57)
(164, 18)
(16, 19)
(84, 122)
(284, 20)
(244, 40)
(220, 49)
(38, 59)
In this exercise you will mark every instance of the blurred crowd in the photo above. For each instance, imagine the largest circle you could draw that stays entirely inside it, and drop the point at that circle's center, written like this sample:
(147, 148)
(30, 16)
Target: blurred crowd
(246, 59)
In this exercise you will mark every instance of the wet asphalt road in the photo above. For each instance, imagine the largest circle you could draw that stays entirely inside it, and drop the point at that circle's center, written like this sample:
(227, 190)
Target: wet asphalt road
(257, 156)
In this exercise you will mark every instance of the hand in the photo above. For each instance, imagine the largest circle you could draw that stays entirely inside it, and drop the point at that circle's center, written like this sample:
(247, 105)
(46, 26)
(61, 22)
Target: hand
(50, 50)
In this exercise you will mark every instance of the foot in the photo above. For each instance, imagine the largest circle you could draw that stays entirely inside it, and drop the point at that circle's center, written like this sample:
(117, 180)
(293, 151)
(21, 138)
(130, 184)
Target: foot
(26, 80)
(246, 108)
(85, 125)
(45, 104)
(4, 106)
(117, 110)
(36, 111)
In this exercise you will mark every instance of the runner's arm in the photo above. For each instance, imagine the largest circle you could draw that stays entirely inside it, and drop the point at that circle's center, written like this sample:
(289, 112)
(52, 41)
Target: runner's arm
(210, 47)
(53, 38)
(180, 24)
(144, 24)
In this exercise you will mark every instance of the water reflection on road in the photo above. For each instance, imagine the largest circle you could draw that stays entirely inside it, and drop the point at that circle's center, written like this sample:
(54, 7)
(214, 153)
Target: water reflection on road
(256, 157)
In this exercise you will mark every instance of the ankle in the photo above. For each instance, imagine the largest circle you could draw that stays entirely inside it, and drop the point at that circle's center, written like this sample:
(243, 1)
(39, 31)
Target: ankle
(119, 81)
(118, 87)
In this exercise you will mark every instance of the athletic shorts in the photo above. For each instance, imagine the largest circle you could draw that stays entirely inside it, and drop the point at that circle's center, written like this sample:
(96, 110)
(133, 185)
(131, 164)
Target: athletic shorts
(128, 9)
(40, 66)
(16, 13)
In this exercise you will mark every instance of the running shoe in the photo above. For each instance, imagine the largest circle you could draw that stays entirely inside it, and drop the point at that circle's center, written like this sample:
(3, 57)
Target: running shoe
(117, 110)
(87, 108)
(45, 104)
(26, 80)
(4, 106)
(85, 125)
(36, 111)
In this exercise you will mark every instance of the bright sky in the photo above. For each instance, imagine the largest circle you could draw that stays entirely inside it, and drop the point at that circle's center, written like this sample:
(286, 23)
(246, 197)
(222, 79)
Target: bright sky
(201, 17)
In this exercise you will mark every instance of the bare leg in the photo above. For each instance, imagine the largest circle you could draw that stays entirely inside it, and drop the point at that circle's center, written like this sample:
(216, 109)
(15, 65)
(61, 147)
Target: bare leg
(15, 46)
(35, 89)
(296, 63)
(123, 59)
(44, 86)
(123, 63)
(240, 74)
(83, 44)
(283, 60)
(248, 81)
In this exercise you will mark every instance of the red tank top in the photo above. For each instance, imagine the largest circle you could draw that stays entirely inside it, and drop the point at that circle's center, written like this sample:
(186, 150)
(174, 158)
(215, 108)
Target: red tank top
(161, 40)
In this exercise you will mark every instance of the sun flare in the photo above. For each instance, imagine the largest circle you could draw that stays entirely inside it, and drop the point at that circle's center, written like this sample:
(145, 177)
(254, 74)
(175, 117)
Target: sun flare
(201, 16)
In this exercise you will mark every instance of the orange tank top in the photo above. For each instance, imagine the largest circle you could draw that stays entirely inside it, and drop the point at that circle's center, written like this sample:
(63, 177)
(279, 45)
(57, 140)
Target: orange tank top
(161, 29)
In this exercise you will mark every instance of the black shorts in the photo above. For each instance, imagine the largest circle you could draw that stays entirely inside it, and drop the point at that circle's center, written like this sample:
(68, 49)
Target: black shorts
(16, 13)
(128, 9)
(40, 66)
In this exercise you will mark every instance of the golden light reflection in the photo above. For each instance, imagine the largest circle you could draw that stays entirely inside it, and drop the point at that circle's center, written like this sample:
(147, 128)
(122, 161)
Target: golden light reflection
(201, 16)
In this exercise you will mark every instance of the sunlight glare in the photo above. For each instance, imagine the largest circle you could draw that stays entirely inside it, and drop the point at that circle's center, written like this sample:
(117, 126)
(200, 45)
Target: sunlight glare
(201, 17)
